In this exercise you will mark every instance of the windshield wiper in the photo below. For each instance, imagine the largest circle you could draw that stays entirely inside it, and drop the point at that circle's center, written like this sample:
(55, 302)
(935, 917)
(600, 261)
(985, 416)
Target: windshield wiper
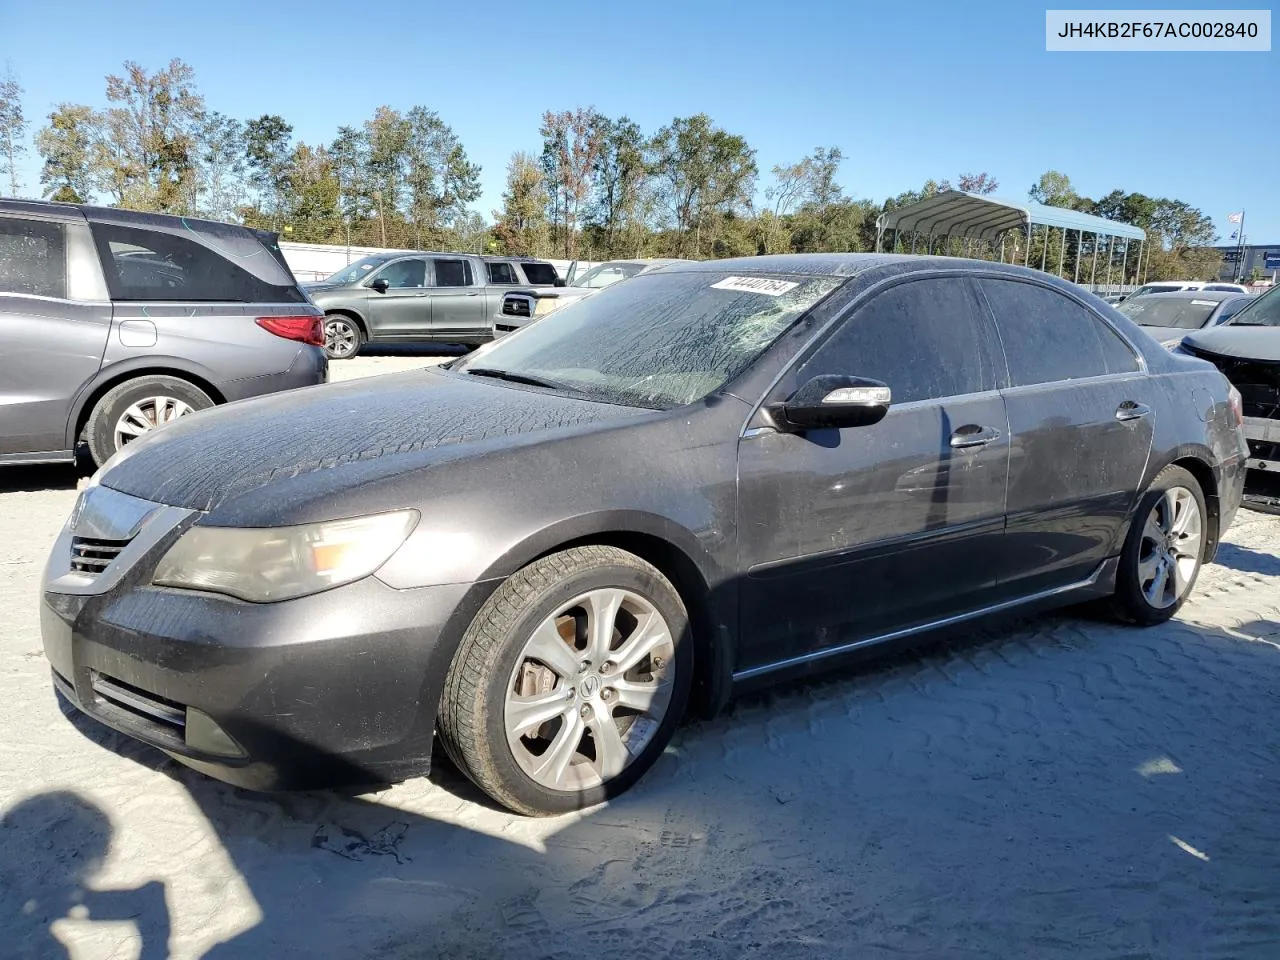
(512, 377)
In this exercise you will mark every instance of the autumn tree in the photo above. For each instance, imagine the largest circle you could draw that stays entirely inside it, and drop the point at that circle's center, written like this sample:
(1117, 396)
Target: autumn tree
(979, 183)
(66, 145)
(13, 129)
(218, 184)
(571, 143)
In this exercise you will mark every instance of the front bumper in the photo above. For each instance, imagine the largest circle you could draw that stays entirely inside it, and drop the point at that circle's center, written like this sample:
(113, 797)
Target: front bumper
(340, 687)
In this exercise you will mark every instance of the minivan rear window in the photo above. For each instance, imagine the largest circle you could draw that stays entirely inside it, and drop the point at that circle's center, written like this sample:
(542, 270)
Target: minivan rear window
(149, 265)
(539, 273)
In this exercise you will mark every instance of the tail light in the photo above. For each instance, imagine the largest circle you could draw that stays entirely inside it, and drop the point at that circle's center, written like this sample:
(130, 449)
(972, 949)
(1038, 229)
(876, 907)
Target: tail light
(305, 329)
(1237, 406)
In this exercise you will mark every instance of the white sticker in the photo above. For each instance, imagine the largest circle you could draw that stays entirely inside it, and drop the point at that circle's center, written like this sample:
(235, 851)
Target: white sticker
(770, 288)
(1204, 303)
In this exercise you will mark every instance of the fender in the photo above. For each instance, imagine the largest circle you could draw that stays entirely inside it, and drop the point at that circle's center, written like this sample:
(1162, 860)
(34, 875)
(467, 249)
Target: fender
(1202, 455)
(158, 364)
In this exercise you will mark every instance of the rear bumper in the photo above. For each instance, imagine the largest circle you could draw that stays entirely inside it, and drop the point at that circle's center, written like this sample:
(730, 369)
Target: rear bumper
(309, 367)
(336, 688)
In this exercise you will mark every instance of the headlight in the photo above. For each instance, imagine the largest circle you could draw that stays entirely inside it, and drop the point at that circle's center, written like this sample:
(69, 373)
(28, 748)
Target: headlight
(262, 564)
(546, 305)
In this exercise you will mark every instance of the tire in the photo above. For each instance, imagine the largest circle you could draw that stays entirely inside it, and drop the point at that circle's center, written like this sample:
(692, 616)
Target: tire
(1153, 539)
(154, 400)
(533, 612)
(343, 336)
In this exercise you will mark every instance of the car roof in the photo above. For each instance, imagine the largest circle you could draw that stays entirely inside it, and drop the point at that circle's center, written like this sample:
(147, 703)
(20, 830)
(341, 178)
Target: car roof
(855, 264)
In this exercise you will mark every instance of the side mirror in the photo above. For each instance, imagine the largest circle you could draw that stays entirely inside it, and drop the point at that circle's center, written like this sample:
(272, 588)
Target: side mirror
(381, 285)
(833, 401)
(561, 282)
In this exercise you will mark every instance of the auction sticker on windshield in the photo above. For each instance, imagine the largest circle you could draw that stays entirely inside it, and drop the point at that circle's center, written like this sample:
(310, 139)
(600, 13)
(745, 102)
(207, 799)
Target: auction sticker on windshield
(770, 288)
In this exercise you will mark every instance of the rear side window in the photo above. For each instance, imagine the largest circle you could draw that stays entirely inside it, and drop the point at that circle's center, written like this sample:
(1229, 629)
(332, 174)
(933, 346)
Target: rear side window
(926, 339)
(453, 273)
(1047, 336)
(501, 273)
(33, 257)
(152, 265)
(539, 273)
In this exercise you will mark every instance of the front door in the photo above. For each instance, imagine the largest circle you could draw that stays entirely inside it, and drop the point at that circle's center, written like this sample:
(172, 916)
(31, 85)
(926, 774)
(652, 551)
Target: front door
(1081, 414)
(51, 345)
(403, 310)
(458, 304)
(852, 534)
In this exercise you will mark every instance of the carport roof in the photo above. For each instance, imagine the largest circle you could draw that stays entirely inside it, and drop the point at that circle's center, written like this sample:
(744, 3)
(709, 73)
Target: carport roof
(958, 214)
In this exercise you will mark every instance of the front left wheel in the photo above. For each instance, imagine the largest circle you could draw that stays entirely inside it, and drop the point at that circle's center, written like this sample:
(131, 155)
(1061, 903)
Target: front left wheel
(570, 681)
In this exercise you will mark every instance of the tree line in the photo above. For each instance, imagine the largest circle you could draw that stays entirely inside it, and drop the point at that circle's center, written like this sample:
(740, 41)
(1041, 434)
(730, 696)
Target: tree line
(595, 188)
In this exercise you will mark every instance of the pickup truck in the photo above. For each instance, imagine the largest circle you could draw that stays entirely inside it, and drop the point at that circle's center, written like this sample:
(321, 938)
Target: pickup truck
(418, 296)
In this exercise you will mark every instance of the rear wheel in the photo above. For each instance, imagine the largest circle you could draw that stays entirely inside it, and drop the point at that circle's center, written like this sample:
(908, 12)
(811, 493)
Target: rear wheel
(1164, 550)
(136, 407)
(343, 337)
(570, 682)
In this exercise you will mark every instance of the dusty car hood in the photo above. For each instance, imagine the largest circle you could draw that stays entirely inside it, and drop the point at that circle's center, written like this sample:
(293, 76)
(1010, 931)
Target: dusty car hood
(202, 461)
(1247, 343)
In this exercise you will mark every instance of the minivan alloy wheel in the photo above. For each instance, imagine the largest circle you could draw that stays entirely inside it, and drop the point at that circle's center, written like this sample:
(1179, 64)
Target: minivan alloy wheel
(145, 415)
(589, 689)
(1171, 548)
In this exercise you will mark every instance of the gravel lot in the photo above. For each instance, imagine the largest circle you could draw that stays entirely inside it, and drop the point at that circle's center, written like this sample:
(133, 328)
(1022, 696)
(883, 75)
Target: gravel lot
(1061, 787)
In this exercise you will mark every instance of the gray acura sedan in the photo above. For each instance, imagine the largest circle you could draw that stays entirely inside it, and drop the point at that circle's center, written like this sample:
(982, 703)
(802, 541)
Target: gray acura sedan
(706, 478)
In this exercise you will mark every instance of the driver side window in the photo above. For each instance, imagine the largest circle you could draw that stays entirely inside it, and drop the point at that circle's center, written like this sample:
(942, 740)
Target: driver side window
(926, 339)
(405, 273)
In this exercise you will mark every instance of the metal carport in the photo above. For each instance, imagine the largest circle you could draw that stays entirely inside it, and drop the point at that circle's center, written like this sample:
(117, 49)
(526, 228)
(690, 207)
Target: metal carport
(976, 219)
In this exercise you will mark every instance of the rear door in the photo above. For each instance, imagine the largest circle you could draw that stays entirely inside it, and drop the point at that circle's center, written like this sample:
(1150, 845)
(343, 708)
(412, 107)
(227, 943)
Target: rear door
(403, 310)
(851, 534)
(1080, 410)
(458, 305)
(50, 345)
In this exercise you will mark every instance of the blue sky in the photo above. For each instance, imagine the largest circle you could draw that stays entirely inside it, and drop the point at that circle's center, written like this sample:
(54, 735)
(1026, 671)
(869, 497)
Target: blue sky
(906, 90)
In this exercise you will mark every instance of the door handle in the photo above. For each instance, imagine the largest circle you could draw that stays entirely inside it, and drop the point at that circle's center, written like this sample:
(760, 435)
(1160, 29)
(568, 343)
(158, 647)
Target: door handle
(473, 294)
(1132, 410)
(972, 435)
(419, 294)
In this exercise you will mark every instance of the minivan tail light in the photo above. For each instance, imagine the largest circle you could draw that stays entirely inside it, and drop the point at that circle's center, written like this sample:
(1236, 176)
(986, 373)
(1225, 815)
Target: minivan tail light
(1237, 406)
(306, 329)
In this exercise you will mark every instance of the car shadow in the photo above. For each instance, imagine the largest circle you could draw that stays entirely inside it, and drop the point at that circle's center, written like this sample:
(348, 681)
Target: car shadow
(1050, 788)
(32, 478)
(410, 350)
(1245, 560)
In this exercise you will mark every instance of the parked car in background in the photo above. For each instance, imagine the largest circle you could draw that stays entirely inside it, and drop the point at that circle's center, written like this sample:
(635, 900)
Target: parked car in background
(1173, 286)
(1170, 316)
(519, 307)
(1247, 351)
(117, 322)
(697, 481)
(420, 297)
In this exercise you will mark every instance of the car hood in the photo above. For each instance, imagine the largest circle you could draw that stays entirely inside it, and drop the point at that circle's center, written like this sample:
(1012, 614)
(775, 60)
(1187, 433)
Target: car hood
(357, 431)
(1246, 343)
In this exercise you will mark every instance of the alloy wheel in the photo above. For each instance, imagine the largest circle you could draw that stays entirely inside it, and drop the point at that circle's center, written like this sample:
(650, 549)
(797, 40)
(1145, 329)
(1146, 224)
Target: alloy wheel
(147, 414)
(340, 338)
(590, 689)
(1171, 548)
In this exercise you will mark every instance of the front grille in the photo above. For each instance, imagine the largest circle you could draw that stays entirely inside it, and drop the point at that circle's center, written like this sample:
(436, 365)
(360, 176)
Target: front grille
(92, 556)
(1258, 381)
(516, 308)
(148, 706)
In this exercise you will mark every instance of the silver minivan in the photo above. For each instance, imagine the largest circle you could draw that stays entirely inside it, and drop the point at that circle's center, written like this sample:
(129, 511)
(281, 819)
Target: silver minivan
(113, 323)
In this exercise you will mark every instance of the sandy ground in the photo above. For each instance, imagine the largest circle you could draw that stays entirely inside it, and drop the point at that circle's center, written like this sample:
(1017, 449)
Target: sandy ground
(1061, 787)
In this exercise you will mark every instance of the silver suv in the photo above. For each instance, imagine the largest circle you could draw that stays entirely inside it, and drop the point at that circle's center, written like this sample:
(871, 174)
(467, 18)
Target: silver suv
(117, 322)
(416, 296)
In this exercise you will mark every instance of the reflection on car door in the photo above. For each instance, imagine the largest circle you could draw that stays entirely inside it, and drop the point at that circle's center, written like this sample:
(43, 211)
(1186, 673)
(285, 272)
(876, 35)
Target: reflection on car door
(851, 534)
(1081, 414)
(51, 345)
(458, 304)
(404, 310)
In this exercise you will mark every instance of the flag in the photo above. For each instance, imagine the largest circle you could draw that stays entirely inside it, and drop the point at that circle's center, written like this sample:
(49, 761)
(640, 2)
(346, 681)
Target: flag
(1233, 234)
(1234, 217)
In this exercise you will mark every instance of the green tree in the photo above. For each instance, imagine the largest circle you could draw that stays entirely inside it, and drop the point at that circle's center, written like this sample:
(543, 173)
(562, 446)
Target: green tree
(218, 184)
(440, 180)
(388, 136)
(703, 174)
(1053, 189)
(571, 144)
(150, 130)
(617, 208)
(521, 226)
(268, 152)
(13, 129)
(66, 146)
(350, 154)
(805, 199)
(312, 196)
